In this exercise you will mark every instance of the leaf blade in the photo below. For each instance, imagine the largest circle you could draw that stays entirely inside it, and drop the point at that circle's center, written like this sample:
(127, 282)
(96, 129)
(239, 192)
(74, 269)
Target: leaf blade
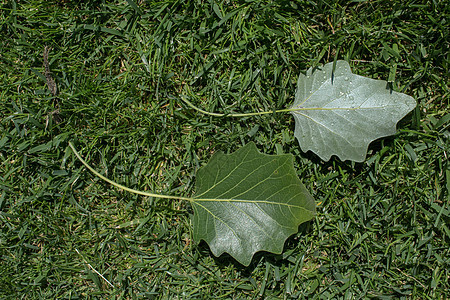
(340, 113)
(241, 209)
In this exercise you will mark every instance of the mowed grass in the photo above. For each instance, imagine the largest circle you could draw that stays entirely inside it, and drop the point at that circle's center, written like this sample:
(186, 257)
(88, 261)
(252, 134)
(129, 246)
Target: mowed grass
(382, 228)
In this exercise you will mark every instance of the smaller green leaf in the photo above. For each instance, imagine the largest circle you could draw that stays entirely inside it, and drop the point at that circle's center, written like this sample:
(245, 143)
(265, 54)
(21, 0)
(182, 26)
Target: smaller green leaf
(247, 202)
(339, 113)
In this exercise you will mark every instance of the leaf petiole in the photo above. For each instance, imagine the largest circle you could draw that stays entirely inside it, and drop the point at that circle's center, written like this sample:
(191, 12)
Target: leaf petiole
(122, 186)
(235, 115)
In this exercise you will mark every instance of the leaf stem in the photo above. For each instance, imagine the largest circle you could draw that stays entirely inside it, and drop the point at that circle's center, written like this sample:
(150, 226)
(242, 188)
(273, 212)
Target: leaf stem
(122, 186)
(235, 115)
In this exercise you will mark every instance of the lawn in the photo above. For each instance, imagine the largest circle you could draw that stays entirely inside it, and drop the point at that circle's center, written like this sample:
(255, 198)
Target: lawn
(110, 77)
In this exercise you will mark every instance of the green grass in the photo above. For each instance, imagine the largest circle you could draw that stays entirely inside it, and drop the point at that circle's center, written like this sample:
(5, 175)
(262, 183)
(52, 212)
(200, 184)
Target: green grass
(382, 228)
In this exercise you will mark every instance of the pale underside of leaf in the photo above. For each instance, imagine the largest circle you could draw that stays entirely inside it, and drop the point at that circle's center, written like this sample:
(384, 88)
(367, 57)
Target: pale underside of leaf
(247, 202)
(340, 113)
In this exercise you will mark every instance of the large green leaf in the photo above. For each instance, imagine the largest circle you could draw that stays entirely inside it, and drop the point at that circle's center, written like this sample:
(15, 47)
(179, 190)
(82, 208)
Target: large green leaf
(247, 202)
(340, 113)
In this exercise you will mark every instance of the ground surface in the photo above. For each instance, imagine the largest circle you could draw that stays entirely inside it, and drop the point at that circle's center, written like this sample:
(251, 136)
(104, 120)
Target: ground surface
(116, 72)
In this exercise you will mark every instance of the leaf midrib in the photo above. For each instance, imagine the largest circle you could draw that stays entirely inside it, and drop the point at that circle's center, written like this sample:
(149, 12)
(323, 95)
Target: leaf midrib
(232, 200)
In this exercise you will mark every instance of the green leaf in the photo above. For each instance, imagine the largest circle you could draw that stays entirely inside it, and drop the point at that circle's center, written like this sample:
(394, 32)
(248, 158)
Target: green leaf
(247, 202)
(340, 113)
